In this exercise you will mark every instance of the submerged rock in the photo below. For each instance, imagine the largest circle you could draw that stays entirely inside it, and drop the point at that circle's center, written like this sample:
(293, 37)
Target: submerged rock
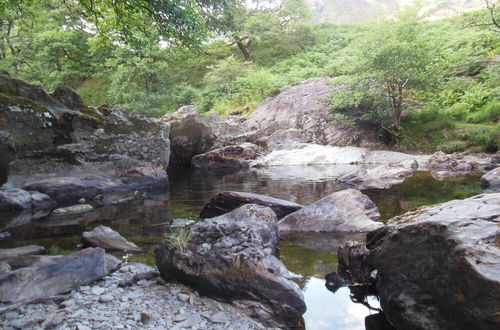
(74, 209)
(491, 180)
(227, 201)
(231, 257)
(61, 276)
(345, 211)
(108, 239)
(6, 254)
(438, 266)
(235, 156)
(379, 177)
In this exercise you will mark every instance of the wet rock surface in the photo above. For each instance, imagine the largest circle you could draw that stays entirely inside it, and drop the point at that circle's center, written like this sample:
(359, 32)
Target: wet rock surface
(236, 156)
(231, 257)
(437, 267)
(227, 201)
(60, 276)
(108, 239)
(379, 177)
(491, 180)
(345, 211)
(147, 304)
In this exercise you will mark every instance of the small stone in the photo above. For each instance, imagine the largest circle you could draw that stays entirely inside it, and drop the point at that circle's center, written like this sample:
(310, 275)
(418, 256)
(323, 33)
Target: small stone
(4, 267)
(105, 298)
(219, 317)
(183, 297)
(179, 317)
(11, 316)
(67, 304)
(134, 295)
(97, 290)
(145, 317)
(80, 326)
(191, 321)
(82, 201)
(78, 313)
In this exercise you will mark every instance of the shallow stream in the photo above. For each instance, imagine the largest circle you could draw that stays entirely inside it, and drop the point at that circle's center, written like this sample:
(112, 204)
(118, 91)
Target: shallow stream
(145, 220)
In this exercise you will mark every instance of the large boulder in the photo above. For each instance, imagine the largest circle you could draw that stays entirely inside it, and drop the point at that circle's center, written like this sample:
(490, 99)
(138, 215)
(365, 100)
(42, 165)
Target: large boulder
(231, 257)
(491, 180)
(58, 125)
(227, 201)
(196, 134)
(64, 274)
(304, 107)
(108, 239)
(438, 267)
(345, 211)
(444, 165)
(378, 177)
(234, 156)
(14, 199)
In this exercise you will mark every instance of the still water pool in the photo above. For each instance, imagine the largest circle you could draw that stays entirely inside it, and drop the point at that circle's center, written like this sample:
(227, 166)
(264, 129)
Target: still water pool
(145, 221)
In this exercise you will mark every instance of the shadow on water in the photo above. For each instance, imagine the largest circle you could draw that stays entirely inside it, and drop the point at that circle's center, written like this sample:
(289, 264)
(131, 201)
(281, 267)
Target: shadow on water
(145, 220)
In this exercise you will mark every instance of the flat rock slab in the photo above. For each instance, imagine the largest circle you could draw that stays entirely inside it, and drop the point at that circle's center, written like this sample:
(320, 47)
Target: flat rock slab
(227, 201)
(231, 257)
(438, 267)
(345, 211)
(20, 251)
(74, 209)
(234, 156)
(378, 177)
(108, 239)
(32, 260)
(69, 272)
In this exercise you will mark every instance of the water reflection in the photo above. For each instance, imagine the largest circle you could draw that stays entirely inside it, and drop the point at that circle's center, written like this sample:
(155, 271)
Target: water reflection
(146, 219)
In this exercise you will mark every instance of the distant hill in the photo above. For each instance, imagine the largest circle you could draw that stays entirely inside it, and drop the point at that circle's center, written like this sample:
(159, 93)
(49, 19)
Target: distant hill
(356, 11)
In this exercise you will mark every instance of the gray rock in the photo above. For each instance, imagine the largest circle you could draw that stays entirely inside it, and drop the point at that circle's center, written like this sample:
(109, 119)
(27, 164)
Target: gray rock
(379, 177)
(232, 251)
(438, 266)
(197, 134)
(234, 156)
(71, 271)
(345, 211)
(41, 201)
(461, 163)
(14, 199)
(108, 239)
(491, 180)
(5, 235)
(227, 201)
(32, 260)
(20, 251)
(105, 298)
(74, 209)
(303, 108)
(4, 267)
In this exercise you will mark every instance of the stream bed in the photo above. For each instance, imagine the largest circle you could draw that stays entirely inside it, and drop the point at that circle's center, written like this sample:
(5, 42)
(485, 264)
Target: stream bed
(145, 220)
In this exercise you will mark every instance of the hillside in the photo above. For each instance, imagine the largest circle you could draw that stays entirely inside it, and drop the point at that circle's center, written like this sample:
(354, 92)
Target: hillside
(356, 11)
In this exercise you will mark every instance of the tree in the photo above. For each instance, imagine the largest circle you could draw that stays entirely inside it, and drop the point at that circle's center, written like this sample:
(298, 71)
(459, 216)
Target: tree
(489, 17)
(259, 18)
(393, 65)
(184, 21)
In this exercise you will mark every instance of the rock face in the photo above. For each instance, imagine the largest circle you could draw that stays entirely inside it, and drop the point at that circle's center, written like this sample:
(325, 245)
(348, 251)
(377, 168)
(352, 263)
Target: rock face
(227, 201)
(379, 177)
(64, 274)
(236, 156)
(108, 239)
(438, 266)
(304, 108)
(195, 134)
(231, 257)
(491, 180)
(347, 211)
(460, 163)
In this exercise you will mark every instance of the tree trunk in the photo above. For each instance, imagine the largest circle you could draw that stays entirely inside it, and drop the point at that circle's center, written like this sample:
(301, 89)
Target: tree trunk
(244, 47)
